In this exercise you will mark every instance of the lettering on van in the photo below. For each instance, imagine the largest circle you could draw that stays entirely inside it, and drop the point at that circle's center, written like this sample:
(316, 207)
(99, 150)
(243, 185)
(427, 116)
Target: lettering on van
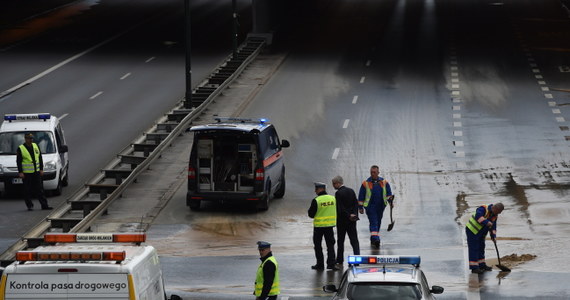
(63, 284)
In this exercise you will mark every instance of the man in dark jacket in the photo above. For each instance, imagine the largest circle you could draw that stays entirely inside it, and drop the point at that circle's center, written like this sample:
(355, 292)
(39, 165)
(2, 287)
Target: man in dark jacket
(267, 277)
(346, 217)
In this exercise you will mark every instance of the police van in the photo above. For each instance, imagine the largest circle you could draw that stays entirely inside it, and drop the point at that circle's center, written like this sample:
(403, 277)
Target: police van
(236, 159)
(48, 135)
(86, 266)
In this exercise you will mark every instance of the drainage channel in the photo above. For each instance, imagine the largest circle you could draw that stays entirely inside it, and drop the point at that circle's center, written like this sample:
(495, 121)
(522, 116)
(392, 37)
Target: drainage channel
(91, 201)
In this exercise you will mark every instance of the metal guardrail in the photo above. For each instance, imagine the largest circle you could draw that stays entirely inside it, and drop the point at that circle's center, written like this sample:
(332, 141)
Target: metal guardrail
(126, 167)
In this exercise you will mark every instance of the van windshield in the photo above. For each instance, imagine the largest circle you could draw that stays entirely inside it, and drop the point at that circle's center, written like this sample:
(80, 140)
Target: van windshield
(10, 141)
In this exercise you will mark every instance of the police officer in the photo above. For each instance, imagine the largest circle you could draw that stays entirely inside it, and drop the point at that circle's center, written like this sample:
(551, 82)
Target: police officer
(346, 217)
(483, 220)
(374, 195)
(31, 169)
(267, 277)
(323, 212)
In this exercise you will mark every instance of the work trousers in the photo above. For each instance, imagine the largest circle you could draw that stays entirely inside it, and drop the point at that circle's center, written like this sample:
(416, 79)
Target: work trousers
(328, 233)
(342, 229)
(268, 298)
(33, 186)
(476, 246)
(375, 213)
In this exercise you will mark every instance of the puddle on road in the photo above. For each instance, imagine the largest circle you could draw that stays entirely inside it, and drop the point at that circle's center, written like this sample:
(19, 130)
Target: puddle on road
(513, 260)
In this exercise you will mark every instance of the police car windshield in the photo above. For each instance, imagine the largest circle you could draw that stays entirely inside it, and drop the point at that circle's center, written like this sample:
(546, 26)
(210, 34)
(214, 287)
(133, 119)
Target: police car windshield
(10, 141)
(379, 291)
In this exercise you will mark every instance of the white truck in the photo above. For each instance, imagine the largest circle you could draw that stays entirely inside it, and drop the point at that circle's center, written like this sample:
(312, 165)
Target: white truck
(48, 135)
(86, 266)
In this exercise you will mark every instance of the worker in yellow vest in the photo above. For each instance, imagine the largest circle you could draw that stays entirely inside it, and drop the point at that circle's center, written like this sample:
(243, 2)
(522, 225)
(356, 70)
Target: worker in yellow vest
(323, 212)
(482, 222)
(31, 170)
(267, 277)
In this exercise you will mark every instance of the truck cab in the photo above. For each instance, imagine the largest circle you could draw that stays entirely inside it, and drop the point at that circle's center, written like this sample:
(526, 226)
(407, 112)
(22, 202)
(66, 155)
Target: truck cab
(48, 135)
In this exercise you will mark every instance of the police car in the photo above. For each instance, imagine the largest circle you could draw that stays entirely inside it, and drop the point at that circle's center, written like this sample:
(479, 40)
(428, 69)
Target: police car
(236, 159)
(48, 135)
(86, 266)
(383, 277)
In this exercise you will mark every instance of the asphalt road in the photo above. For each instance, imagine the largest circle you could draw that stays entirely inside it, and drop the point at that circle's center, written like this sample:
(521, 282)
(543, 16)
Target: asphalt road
(461, 104)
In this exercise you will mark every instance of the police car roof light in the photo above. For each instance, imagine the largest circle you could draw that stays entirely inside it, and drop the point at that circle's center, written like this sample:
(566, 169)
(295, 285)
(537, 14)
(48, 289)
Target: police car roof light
(384, 259)
(135, 237)
(23, 256)
(27, 117)
(242, 120)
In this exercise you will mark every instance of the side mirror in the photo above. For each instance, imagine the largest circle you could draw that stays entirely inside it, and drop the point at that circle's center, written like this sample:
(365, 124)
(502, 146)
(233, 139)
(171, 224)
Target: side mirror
(63, 149)
(330, 288)
(436, 289)
(175, 297)
(285, 143)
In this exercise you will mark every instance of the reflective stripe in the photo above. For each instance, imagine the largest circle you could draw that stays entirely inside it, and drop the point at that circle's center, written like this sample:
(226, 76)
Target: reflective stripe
(368, 186)
(27, 161)
(326, 211)
(474, 225)
(259, 279)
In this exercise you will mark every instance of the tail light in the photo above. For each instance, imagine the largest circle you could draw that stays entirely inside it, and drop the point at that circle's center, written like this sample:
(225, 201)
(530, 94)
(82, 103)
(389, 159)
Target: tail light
(191, 173)
(259, 174)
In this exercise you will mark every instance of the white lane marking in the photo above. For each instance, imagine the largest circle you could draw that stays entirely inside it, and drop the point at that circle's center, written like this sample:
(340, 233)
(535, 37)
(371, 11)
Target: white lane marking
(63, 63)
(150, 59)
(560, 119)
(284, 298)
(454, 74)
(536, 70)
(456, 100)
(538, 76)
(63, 116)
(457, 124)
(362, 79)
(126, 75)
(555, 111)
(96, 95)
(456, 107)
(457, 116)
(335, 153)
(454, 68)
(457, 133)
(545, 89)
(458, 143)
(368, 63)
(460, 154)
(354, 99)
(455, 93)
(455, 80)
(542, 82)
(345, 125)
(549, 96)
(551, 103)
(533, 65)
(455, 86)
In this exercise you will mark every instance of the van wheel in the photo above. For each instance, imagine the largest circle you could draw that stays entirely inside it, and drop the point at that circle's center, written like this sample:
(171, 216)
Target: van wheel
(194, 205)
(58, 189)
(281, 191)
(263, 204)
(65, 180)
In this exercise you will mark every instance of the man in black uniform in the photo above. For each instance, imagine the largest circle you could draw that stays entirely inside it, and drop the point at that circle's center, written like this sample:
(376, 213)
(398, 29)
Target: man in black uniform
(347, 215)
(31, 169)
(323, 212)
(267, 277)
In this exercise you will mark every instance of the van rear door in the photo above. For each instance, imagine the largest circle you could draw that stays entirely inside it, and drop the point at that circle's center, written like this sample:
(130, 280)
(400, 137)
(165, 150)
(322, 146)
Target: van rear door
(66, 286)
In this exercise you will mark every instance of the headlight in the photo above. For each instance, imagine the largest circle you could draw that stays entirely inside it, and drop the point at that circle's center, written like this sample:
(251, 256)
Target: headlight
(50, 166)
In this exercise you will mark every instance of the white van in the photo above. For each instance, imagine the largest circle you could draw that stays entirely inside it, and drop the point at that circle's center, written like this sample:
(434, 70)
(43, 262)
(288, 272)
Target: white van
(86, 266)
(48, 134)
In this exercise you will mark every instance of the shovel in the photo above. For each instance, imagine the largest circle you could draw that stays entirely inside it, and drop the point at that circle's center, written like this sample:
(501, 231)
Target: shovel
(391, 226)
(503, 268)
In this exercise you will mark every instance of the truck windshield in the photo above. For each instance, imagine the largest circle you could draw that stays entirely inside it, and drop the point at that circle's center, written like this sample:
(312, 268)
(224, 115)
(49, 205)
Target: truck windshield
(10, 141)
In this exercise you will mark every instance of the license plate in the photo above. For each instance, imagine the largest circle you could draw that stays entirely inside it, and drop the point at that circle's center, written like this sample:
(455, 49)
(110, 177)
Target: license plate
(16, 180)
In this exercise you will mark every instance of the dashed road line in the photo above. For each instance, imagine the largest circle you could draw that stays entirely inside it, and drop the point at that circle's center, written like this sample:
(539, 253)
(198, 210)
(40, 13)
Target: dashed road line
(335, 153)
(96, 95)
(150, 59)
(345, 125)
(125, 76)
(362, 79)
(354, 99)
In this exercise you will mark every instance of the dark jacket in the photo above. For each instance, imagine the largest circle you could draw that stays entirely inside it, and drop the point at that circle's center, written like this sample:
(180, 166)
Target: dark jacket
(346, 204)
(31, 151)
(268, 275)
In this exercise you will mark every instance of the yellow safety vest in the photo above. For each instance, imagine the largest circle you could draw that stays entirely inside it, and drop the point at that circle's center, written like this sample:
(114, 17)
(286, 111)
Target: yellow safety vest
(259, 279)
(474, 225)
(368, 186)
(326, 211)
(27, 162)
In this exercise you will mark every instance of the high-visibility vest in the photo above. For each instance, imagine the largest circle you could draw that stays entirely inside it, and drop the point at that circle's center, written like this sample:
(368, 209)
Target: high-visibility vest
(27, 161)
(259, 279)
(326, 211)
(474, 225)
(369, 185)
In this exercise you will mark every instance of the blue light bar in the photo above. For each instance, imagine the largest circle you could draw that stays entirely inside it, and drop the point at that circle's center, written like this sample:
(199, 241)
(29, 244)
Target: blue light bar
(384, 259)
(242, 120)
(27, 117)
